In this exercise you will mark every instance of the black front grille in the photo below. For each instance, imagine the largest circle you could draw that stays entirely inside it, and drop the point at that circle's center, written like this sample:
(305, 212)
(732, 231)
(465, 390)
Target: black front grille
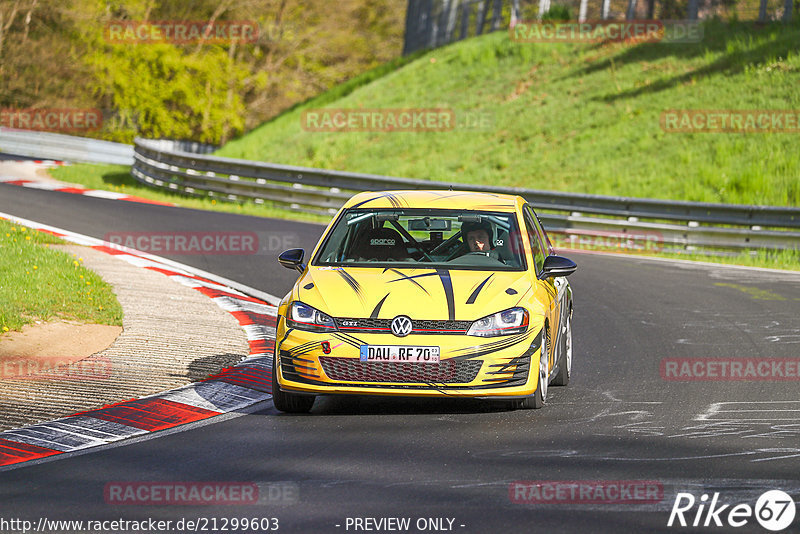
(452, 326)
(347, 323)
(419, 326)
(444, 372)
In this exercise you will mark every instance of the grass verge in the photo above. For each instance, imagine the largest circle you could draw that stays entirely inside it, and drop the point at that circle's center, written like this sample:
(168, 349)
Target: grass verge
(40, 283)
(573, 117)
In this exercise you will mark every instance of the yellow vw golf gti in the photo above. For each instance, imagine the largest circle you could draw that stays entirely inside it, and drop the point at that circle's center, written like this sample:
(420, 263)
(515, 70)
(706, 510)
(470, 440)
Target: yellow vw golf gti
(426, 294)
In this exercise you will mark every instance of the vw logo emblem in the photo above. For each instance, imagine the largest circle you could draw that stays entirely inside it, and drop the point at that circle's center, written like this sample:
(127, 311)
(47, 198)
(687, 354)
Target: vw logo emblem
(401, 326)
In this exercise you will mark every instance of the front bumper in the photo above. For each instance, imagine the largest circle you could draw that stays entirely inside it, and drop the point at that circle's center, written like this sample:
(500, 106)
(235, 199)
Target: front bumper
(498, 367)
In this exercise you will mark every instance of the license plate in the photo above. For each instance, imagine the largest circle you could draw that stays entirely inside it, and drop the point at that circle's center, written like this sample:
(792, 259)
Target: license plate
(399, 353)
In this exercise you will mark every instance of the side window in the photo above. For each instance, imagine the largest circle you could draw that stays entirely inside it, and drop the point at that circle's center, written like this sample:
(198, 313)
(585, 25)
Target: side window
(536, 244)
(539, 230)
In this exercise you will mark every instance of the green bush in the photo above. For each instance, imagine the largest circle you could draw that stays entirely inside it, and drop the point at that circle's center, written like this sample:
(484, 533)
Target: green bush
(558, 12)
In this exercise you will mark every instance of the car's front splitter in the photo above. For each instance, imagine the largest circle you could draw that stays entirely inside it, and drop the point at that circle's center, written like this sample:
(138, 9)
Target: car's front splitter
(503, 370)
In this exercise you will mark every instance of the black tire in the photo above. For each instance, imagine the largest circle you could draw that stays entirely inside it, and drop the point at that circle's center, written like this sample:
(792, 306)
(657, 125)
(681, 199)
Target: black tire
(565, 358)
(509, 405)
(540, 395)
(288, 402)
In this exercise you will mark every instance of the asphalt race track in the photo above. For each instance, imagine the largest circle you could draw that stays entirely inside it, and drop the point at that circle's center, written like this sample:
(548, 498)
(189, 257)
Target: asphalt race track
(619, 420)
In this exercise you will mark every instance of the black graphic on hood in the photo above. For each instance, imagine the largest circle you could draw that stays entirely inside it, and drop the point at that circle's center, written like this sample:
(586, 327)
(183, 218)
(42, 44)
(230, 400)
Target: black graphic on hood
(474, 295)
(410, 278)
(377, 310)
(352, 282)
(350, 340)
(444, 276)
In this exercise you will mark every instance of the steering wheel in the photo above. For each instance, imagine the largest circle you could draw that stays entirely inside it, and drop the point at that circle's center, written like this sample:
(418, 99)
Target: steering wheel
(454, 254)
(484, 254)
(452, 241)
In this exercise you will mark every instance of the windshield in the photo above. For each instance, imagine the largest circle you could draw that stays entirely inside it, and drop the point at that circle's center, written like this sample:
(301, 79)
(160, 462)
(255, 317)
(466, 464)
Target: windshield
(424, 238)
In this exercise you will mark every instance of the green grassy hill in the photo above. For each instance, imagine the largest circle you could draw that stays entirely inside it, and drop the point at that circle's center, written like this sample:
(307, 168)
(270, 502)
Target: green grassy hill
(570, 117)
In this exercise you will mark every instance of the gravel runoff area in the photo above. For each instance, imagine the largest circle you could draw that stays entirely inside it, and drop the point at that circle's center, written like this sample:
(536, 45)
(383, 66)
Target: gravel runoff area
(172, 335)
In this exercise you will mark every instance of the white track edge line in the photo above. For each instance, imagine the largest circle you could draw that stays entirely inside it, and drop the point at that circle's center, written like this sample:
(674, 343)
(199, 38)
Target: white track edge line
(150, 434)
(247, 290)
(226, 416)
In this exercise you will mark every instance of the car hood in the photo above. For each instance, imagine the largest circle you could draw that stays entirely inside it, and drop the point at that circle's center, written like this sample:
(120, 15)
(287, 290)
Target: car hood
(384, 293)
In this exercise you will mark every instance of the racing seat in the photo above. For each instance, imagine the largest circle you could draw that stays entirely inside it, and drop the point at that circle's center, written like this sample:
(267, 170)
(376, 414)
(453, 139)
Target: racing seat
(381, 244)
(503, 247)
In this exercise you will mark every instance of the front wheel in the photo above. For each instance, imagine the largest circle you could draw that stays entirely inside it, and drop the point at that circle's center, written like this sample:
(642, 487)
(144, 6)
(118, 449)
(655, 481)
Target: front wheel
(540, 395)
(565, 363)
(288, 402)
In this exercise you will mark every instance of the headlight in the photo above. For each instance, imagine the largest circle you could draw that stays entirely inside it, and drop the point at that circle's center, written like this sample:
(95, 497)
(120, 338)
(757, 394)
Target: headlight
(511, 321)
(304, 317)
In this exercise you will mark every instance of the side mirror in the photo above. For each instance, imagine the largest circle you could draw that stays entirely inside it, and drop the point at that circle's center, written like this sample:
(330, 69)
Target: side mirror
(557, 266)
(293, 259)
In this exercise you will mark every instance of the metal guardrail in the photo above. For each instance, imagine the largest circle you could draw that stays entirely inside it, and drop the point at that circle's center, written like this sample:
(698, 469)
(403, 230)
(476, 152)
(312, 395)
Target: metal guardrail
(323, 191)
(47, 145)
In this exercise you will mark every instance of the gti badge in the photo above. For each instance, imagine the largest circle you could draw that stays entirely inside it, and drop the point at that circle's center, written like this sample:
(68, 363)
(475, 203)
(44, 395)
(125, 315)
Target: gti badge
(401, 326)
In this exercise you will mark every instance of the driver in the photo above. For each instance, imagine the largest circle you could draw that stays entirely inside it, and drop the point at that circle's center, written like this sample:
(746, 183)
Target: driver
(478, 240)
(478, 236)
